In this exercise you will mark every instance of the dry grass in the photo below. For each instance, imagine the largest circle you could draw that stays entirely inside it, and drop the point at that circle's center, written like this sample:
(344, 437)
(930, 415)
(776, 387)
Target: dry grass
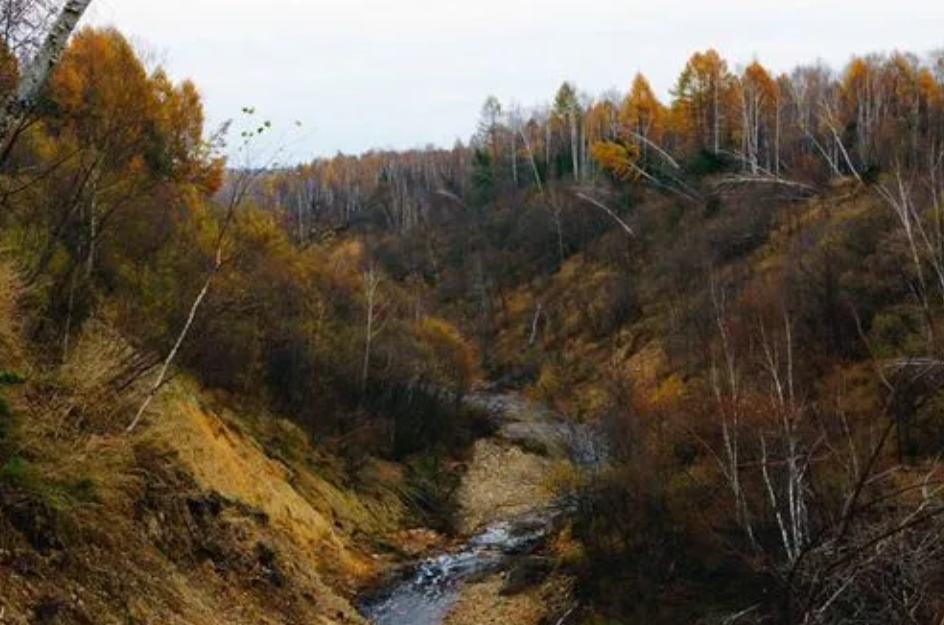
(483, 604)
(120, 552)
(69, 430)
(106, 378)
(224, 459)
(11, 352)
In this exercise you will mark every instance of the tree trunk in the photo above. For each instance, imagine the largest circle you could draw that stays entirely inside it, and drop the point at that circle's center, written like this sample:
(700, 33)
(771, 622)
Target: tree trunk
(240, 189)
(371, 284)
(36, 73)
(574, 146)
(514, 153)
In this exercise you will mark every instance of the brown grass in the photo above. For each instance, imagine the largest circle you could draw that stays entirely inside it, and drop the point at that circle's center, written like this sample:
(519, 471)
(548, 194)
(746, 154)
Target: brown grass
(127, 545)
(11, 352)
(225, 460)
(482, 604)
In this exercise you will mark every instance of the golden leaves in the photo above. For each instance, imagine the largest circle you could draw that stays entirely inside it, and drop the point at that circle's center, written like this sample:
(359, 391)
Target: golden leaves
(617, 159)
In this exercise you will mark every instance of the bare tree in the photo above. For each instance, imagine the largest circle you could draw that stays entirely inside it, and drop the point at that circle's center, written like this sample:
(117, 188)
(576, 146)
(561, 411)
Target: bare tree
(515, 127)
(553, 205)
(23, 23)
(726, 384)
(372, 324)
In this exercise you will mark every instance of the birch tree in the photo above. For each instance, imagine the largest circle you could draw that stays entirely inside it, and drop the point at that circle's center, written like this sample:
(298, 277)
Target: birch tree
(515, 128)
(758, 99)
(36, 70)
(703, 94)
(567, 113)
(239, 188)
(372, 321)
(238, 194)
(727, 386)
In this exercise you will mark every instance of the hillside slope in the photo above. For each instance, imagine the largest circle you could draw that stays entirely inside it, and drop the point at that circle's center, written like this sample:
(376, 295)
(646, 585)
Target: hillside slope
(185, 520)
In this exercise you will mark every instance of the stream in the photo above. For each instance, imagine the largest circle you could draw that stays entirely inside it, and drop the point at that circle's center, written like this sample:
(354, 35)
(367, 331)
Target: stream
(425, 591)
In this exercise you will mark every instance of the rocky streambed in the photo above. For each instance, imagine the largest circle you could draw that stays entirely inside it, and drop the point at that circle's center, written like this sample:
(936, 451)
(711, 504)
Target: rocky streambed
(507, 512)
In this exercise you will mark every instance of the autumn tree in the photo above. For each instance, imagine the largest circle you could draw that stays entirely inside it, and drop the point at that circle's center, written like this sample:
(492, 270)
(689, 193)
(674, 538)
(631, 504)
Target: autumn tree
(25, 23)
(642, 117)
(567, 118)
(618, 159)
(759, 123)
(130, 148)
(863, 104)
(705, 99)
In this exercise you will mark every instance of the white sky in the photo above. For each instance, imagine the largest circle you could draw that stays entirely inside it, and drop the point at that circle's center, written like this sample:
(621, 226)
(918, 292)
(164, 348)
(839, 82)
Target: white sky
(361, 74)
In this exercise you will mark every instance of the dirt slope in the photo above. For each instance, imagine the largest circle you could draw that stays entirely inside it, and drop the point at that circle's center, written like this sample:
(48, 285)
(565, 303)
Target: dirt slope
(188, 520)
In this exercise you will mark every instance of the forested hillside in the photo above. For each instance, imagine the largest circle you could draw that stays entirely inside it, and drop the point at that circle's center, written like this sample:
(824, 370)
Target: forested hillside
(225, 390)
(742, 284)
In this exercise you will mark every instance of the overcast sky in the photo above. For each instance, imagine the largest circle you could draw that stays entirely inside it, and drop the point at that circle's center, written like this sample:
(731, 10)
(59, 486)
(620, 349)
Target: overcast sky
(363, 74)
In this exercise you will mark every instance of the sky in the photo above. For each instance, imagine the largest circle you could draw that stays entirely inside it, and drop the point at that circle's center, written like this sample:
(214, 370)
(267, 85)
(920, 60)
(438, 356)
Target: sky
(363, 74)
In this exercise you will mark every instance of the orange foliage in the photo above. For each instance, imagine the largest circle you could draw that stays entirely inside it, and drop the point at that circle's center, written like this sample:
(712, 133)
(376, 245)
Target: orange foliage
(450, 357)
(617, 159)
(704, 95)
(642, 114)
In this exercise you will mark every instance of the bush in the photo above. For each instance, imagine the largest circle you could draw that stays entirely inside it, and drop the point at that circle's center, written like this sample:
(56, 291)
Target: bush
(706, 163)
(7, 378)
(431, 489)
(16, 471)
(57, 494)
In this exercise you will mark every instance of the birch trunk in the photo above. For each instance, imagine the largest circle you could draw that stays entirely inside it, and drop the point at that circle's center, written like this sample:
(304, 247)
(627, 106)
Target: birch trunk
(777, 137)
(37, 71)
(371, 285)
(172, 355)
(240, 190)
(574, 146)
(514, 155)
(716, 122)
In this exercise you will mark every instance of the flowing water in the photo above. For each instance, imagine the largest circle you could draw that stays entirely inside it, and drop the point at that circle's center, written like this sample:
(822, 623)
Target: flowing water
(426, 591)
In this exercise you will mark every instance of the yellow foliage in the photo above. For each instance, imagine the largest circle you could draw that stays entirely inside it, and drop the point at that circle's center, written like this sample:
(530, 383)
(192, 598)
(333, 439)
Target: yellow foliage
(347, 256)
(671, 389)
(641, 113)
(452, 358)
(549, 383)
(617, 159)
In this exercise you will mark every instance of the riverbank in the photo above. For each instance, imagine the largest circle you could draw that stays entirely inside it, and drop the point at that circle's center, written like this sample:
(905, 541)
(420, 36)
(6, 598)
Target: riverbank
(485, 603)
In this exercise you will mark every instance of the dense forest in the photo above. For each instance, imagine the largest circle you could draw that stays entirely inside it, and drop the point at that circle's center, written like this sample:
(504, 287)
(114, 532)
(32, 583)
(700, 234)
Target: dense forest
(741, 287)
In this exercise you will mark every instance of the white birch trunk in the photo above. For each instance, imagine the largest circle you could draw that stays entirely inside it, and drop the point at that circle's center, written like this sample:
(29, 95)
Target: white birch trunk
(240, 190)
(36, 72)
(371, 285)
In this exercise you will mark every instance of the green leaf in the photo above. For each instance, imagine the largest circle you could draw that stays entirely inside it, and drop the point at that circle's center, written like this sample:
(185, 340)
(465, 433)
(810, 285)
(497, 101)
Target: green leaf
(9, 378)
